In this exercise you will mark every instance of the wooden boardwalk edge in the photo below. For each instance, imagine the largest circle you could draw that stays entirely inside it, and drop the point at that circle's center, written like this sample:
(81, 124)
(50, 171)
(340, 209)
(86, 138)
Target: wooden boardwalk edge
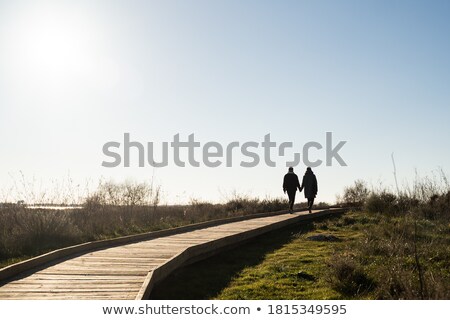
(60, 254)
(190, 254)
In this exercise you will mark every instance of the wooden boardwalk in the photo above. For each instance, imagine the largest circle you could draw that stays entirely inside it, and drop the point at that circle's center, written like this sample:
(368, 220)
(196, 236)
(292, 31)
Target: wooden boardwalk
(130, 271)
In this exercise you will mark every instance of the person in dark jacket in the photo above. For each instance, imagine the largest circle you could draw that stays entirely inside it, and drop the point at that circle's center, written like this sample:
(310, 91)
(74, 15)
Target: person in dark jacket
(309, 183)
(291, 184)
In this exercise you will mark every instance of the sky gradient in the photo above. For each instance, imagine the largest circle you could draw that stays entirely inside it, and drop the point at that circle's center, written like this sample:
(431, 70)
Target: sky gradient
(77, 74)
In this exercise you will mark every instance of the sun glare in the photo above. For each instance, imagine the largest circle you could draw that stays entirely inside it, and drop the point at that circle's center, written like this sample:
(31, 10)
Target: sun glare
(55, 49)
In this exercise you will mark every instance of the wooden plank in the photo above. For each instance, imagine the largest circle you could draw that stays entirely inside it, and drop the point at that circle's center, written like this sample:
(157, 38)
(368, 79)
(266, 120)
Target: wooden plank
(162, 254)
(112, 267)
(150, 249)
(186, 242)
(136, 253)
(43, 274)
(61, 288)
(95, 273)
(159, 256)
(74, 282)
(112, 263)
(71, 290)
(126, 258)
(69, 296)
(93, 270)
(88, 279)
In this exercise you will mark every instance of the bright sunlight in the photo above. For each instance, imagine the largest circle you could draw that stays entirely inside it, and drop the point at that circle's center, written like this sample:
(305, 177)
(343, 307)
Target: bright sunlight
(56, 49)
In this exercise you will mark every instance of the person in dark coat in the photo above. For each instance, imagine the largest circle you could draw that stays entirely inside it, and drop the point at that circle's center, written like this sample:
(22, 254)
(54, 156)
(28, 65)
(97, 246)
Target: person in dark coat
(309, 183)
(291, 184)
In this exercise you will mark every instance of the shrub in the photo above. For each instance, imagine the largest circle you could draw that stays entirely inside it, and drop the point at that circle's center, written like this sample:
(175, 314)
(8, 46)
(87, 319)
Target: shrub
(124, 194)
(357, 194)
(437, 207)
(381, 202)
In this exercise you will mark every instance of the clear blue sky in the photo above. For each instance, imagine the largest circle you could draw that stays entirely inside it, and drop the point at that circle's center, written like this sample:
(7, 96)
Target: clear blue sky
(76, 74)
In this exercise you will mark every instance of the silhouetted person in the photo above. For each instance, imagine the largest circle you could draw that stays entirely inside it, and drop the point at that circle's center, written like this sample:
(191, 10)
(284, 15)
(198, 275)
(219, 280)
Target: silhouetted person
(309, 183)
(290, 184)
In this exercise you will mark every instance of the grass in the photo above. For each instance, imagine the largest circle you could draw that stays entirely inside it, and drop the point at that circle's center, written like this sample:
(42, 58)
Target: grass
(378, 257)
(407, 256)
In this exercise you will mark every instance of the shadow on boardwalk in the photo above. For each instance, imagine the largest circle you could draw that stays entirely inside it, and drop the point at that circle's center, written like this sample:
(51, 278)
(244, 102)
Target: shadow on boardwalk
(207, 278)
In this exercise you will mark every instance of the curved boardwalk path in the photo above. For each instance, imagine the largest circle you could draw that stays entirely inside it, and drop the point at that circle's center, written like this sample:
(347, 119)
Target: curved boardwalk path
(130, 271)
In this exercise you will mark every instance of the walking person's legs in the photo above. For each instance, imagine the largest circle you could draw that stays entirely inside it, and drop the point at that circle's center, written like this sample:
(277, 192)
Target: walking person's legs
(291, 194)
(310, 204)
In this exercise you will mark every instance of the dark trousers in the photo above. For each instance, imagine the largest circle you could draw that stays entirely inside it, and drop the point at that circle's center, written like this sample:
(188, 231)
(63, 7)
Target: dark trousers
(310, 203)
(291, 195)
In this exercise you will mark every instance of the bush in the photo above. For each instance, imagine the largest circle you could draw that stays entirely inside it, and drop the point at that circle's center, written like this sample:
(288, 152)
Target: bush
(357, 194)
(381, 202)
(247, 205)
(124, 194)
(437, 207)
